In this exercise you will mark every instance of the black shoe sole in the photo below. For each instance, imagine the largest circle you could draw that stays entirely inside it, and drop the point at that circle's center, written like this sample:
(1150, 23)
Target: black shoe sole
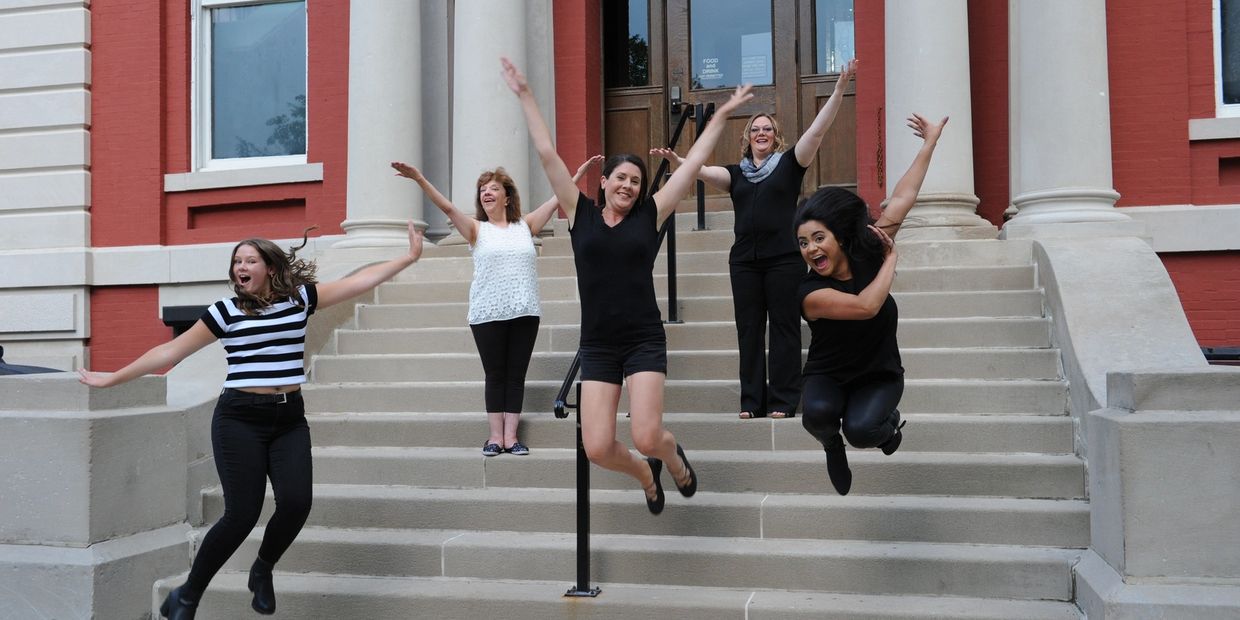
(655, 506)
(689, 489)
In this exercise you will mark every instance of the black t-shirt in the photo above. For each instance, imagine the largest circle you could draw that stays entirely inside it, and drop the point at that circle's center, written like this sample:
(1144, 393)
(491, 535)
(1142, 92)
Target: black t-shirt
(847, 350)
(764, 211)
(615, 274)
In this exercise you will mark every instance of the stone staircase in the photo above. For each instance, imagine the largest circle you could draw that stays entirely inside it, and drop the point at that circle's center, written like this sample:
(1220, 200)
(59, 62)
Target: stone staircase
(981, 514)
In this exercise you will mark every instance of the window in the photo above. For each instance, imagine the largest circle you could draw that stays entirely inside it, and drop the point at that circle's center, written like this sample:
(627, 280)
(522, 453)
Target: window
(250, 84)
(1227, 56)
(626, 39)
(833, 29)
(730, 41)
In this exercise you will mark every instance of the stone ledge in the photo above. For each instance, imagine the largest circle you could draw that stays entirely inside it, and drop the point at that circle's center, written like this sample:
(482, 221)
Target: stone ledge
(64, 392)
(1203, 388)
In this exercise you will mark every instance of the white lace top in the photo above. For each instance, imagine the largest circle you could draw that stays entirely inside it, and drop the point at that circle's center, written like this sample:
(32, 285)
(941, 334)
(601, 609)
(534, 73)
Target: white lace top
(505, 282)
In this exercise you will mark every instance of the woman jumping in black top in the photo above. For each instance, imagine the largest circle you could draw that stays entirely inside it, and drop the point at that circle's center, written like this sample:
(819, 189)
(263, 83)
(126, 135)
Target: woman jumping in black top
(622, 333)
(853, 376)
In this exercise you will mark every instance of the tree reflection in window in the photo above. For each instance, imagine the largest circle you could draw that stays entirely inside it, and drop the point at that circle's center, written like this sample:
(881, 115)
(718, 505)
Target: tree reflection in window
(626, 43)
(288, 131)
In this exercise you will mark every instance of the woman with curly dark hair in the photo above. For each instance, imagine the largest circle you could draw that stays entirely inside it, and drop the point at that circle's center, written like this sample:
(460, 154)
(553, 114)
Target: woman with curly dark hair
(259, 428)
(853, 375)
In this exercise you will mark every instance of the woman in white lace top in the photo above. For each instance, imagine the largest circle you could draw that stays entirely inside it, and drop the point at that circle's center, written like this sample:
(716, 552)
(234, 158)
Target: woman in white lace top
(503, 297)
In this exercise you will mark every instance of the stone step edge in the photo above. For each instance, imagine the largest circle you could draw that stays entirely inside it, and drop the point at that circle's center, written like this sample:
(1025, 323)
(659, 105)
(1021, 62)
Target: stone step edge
(469, 594)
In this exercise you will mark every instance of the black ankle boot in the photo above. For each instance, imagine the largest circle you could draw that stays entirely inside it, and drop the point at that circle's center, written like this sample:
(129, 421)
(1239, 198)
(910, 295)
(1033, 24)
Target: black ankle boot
(891, 445)
(180, 604)
(260, 584)
(837, 465)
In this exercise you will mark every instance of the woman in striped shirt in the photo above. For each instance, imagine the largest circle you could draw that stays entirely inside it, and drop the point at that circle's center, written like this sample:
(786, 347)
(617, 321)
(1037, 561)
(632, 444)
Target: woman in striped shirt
(259, 427)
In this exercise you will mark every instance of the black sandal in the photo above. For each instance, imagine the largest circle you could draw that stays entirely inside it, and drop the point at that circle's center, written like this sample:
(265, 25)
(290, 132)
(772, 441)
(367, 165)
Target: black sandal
(655, 505)
(691, 487)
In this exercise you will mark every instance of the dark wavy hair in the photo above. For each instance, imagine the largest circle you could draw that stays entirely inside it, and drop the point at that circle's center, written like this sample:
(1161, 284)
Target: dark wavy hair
(616, 160)
(846, 215)
(512, 210)
(287, 273)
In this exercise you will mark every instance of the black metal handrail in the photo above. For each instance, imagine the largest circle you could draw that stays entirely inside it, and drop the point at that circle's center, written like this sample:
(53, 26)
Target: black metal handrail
(561, 405)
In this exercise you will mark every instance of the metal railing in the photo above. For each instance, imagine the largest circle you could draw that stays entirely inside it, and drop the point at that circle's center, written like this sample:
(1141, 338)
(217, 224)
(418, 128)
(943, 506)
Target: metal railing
(561, 405)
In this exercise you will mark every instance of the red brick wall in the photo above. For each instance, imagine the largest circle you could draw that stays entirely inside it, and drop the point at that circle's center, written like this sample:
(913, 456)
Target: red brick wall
(1207, 283)
(124, 323)
(988, 74)
(578, 79)
(871, 99)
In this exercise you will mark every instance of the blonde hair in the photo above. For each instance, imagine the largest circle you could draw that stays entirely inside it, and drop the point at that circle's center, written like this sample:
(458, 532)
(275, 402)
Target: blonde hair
(746, 151)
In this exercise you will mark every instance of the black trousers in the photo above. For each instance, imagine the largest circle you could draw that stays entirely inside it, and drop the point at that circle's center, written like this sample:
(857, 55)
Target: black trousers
(505, 348)
(253, 438)
(864, 408)
(761, 290)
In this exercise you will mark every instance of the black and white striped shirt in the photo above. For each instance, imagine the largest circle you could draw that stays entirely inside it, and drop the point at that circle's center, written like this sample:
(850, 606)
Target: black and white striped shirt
(265, 349)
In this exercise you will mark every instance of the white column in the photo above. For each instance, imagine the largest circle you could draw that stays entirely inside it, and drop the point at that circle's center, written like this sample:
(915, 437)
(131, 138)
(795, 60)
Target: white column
(385, 122)
(927, 72)
(488, 128)
(1060, 115)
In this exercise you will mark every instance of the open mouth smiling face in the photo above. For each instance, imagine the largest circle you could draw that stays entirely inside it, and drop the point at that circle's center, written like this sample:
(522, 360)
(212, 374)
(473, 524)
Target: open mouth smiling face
(819, 248)
(250, 272)
(622, 187)
(493, 198)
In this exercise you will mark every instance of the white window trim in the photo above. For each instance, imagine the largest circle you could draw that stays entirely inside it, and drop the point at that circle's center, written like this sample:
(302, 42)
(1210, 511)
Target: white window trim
(1221, 110)
(200, 94)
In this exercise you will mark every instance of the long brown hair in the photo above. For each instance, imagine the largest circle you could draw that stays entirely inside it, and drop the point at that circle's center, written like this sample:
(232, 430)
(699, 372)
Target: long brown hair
(512, 210)
(287, 273)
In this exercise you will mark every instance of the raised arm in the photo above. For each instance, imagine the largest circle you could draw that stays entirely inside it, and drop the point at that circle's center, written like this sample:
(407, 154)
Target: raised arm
(537, 218)
(467, 226)
(682, 179)
(714, 176)
(557, 173)
(832, 304)
(165, 355)
(905, 193)
(808, 143)
(352, 285)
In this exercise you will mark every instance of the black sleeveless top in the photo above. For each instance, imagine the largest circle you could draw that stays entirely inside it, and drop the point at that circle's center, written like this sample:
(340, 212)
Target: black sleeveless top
(615, 274)
(847, 350)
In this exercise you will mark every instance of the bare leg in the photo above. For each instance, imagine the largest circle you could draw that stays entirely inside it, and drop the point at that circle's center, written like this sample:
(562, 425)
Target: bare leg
(510, 423)
(599, 401)
(496, 421)
(646, 412)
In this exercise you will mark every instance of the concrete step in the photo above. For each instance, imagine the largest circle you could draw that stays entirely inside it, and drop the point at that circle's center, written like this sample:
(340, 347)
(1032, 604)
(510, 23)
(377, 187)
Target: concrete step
(716, 308)
(883, 568)
(937, 279)
(802, 471)
(707, 335)
(688, 396)
(964, 363)
(317, 595)
(900, 518)
(952, 432)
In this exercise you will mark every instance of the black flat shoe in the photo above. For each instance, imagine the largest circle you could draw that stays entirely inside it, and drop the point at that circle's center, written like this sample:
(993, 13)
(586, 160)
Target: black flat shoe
(689, 489)
(264, 591)
(837, 466)
(177, 608)
(655, 505)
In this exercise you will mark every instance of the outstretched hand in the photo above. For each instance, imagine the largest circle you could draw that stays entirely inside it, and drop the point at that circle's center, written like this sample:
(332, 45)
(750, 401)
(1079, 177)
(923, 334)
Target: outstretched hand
(846, 74)
(93, 379)
(407, 171)
(668, 154)
(581, 170)
(742, 94)
(416, 239)
(513, 76)
(925, 129)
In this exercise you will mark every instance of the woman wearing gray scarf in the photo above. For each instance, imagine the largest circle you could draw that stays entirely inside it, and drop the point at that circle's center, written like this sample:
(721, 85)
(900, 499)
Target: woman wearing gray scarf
(765, 263)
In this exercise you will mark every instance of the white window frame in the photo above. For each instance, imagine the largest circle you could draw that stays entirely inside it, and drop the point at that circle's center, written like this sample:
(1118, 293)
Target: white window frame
(200, 93)
(1221, 110)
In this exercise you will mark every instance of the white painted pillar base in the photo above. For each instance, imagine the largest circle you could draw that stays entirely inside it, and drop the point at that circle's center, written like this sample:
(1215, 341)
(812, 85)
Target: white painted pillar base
(1060, 118)
(385, 123)
(927, 72)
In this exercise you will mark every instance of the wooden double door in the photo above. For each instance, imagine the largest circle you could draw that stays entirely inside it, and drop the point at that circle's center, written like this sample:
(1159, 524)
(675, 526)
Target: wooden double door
(697, 52)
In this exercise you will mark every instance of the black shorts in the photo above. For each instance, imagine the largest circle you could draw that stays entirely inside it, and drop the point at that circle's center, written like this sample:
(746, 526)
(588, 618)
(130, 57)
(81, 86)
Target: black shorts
(611, 363)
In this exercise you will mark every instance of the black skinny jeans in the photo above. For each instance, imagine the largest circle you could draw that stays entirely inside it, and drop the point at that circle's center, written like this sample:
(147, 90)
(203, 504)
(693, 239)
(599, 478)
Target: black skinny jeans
(505, 348)
(252, 438)
(864, 408)
(761, 289)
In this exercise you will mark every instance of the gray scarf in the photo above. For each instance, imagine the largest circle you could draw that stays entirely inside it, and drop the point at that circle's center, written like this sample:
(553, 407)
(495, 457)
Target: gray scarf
(757, 174)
